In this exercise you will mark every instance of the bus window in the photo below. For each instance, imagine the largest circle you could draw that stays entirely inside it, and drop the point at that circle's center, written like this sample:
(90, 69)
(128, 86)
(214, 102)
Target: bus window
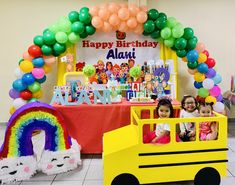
(186, 131)
(208, 131)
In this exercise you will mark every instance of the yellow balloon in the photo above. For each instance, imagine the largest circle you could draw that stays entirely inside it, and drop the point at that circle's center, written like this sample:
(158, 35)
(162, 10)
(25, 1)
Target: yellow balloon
(199, 77)
(202, 58)
(47, 68)
(26, 66)
(12, 110)
(210, 99)
(38, 94)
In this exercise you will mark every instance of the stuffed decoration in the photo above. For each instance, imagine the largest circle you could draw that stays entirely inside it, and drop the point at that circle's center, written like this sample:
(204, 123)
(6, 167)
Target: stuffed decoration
(17, 158)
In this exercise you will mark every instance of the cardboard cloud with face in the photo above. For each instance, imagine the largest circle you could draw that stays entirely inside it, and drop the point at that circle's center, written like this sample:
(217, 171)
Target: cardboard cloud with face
(17, 158)
(17, 168)
(60, 161)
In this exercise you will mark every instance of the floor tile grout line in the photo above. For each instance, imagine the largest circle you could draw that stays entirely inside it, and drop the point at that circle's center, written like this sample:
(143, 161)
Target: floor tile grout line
(53, 179)
(87, 171)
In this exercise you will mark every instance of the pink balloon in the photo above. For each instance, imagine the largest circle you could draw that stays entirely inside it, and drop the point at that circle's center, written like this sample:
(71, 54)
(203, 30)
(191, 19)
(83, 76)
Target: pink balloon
(144, 8)
(103, 14)
(141, 16)
(107, 27)
(139, 29)
(49, 60)
(200, 47)
(133, 9)
(38, 73)
(123, 14)
(114, 20)
(27, 56)
(94, 11)
(97, 22)
(123, 27)
(215, 91)
(113, 7)
(131, 22)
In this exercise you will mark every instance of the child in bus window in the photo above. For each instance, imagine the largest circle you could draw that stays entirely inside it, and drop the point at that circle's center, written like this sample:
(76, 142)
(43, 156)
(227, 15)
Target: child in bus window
(207, 129)
(162, 131)
(189, 110)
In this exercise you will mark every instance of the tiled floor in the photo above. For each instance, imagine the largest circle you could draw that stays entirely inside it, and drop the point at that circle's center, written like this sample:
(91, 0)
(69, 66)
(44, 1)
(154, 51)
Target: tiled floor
(90, 173)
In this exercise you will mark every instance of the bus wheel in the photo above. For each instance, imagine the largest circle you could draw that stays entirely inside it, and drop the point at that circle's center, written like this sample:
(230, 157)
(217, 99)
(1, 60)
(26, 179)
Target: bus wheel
(207, 176)
(125, 179)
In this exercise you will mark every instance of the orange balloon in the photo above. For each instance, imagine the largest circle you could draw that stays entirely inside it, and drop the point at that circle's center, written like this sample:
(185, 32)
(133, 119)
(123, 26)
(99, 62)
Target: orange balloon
(123, 5)
(104, 6)
(123, 27)
(94, 11)
(103, 14)
(107, 27)
(123, 14)
(141, 16)
(97, 22)
(139, 29)
(133, 9)
(47, 68)
(114, 20)
(200, 47)
(184, 59)
(113, 7)
(144, 8)
(131, 22)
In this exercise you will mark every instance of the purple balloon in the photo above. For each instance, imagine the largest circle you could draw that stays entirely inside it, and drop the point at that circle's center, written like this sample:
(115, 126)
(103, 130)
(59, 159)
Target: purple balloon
(14, 94)
(219, 98)
(210, 73)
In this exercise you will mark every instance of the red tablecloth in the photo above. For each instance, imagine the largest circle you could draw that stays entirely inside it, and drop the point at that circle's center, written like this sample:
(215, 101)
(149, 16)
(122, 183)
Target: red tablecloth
(88, 123)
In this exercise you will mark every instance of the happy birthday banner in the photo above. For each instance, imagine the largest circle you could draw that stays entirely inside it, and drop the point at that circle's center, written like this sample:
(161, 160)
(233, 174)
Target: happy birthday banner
(117, 47)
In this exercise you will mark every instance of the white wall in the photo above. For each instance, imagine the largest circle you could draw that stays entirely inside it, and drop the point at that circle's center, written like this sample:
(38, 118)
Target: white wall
(20, 21)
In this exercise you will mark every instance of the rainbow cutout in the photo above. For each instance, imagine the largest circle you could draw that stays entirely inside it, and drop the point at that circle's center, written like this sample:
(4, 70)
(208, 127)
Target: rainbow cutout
(31, 117)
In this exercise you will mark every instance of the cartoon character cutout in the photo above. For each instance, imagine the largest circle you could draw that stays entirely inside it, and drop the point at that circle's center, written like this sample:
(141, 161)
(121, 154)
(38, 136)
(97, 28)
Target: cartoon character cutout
(17, 168)
(79, 66)
(116, 69)
(109, 69)
(70, 66)
(60, 161)
(100, 66)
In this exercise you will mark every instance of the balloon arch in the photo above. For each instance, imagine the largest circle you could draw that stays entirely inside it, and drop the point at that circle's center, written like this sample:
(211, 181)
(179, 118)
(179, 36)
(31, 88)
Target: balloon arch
(67, 31)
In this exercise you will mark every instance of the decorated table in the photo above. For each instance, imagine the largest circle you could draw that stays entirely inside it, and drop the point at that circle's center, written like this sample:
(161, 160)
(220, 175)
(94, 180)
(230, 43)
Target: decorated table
(88, 123)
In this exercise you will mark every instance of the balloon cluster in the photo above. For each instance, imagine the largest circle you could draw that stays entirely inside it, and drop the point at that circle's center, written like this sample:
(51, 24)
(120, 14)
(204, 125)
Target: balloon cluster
(40, 57)
(112, 16)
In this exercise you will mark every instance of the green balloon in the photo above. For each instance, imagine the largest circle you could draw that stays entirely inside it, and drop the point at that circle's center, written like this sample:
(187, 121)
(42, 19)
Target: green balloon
(78, 27)
(61, 37)
(146, 34)
(38, 40)
(32, 100)
(166, 33)
(35, 87)
(149, 26)
(160, 40)
(169, 42)
(90, 30)
(192, 65)
(85, 17)
(46, 30)
(153, 14)
(161, 22)
(54, 28)
(84, 9)
(89, 70)
(188, 33)
(180, 43)
(178, 31)
(73, 38)
(46, 50)
(21, 60)
(191, 44)
(155, 34)
(203, 92)
(162, 15)
(181, 53)
(73, 16)
(59, 48)
(64, 25)
(171, 22)
(49, 38)
(84, 35)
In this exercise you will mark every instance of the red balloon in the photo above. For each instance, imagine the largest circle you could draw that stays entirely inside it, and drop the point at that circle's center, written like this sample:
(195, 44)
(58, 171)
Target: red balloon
(200, 99)
(35, 51)
(26, 95)
(210, 62)
(206, 53)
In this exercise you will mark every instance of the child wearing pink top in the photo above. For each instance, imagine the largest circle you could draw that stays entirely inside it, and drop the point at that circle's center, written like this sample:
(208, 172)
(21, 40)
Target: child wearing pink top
(207, 130)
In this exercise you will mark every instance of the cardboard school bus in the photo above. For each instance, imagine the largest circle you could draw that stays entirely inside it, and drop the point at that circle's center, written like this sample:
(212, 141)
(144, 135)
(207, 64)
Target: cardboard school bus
(129, 161)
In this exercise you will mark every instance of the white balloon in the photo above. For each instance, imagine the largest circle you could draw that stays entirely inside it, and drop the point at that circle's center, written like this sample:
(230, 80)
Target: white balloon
(18, 73)
(218, 107)
(18, 102)
(208, 83)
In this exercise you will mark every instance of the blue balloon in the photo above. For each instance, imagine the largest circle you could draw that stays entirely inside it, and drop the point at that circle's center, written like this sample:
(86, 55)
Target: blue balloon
(28, 78)
(217, 79)
(19, 85)
(198, 85)
(41, 80)
(192, 56)
(202, 68)
(38, 62)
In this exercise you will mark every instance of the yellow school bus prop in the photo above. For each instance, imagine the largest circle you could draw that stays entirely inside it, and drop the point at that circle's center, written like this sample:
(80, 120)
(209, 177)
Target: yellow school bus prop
(129, 161)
